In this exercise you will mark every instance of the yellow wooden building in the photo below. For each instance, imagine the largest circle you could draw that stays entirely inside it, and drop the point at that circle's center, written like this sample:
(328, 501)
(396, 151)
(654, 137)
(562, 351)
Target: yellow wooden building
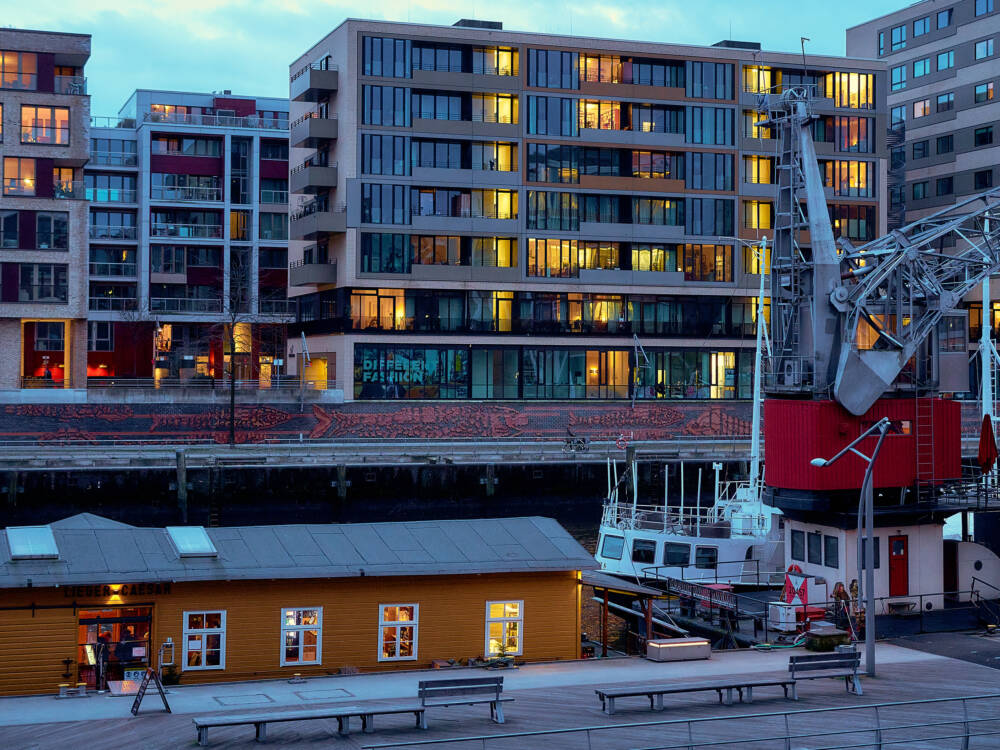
(92, 600)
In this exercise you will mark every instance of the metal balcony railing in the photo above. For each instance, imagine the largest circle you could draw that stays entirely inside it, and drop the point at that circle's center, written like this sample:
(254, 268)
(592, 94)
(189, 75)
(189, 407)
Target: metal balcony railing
(114, 158)
(215, 121)
(110, 195)
(112, 269)
(490, 212)
(309, 163)
(498, 117)
(203, 231)
(98, 232)
(183, 305)
(273, 234)
(112, 304)
(312, 262)
(112, 122)
(70, 85)
(321, 65)
(71, 189)
(318, 205)
(170, 193)
(274, 196)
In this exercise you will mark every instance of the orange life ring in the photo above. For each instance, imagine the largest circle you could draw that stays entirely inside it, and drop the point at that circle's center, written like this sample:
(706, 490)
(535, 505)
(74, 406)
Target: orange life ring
(621, 443)
(793, 568)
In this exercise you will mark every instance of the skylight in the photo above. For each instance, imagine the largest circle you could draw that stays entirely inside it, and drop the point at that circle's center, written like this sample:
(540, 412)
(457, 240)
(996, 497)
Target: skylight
(192, 541)
(32, 543)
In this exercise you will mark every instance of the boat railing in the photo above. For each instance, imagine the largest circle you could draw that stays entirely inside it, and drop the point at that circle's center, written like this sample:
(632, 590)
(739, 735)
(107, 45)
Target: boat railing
(722, 571)
(685, 521)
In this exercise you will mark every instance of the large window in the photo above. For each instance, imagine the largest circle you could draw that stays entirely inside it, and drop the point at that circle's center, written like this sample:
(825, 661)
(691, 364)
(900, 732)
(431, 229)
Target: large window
(814, 548)
(851, 178)
(301, 636)
(386, 105)
(398, 372)
(983, 7)
(984, 49)
(204, 640)
(984, 92)
(921, 26)
(613, 547)
(644, 551)
(707, 80)
(49, 336)
(397, 631)
(831, 551)
(384, 154)
(707, 262)
(944, 18)
(709, 216)
(553, 162)
(946, 60)
(798, 545)
(898, 78)
(48, 125)
(18, 70)
(852, 90)
(710, 125)
(600, 114)
(273, 226)
(552, 115)
(384, 204)
(52, 230)
(921, 67)
(390, 58)
(100, 336)
(553, 69)
(898, 37)
(190, 146)
(504, 628)
(43, 282)
(983, 136)
(18, 176)
(8, 229)
(710, 171)
(758, 214)
(854, 222)
(945, 102)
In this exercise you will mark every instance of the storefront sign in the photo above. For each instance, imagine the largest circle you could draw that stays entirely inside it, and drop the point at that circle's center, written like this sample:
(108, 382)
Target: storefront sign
(124, 589)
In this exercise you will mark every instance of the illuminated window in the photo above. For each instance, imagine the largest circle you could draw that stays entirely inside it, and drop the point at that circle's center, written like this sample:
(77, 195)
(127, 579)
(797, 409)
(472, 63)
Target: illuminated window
(759, 170)
(850, 178)
(758, 214)
(601, 68)
(204, 640)
(397, 628)
(759, 79)
(752, 263)
(18, 70)
(18, 176)
(751, 126)
(301, 636)
(852, 90)
(600, 115)
(984, 92)
(48, 125)
(504, 628)
(500, 108)
(921, 108)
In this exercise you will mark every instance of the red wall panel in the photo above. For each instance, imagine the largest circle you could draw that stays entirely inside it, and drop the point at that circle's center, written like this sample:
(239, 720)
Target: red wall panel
(273, 277)
(196, 165)
(9, 281)
(204, 275)
(795, 432)
(26, 230)
(242, 107)
(46, 71)
(43, 178)
(272, 169)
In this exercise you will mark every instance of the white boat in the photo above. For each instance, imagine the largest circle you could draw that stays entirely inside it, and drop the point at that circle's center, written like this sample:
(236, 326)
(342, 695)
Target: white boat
(736, 540)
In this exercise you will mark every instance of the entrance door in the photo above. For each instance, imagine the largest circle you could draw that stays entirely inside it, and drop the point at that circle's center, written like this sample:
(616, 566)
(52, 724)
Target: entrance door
(899, 576)
(111, 642)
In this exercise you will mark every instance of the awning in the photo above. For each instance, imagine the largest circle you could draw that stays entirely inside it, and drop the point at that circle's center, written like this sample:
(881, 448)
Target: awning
(619, 585)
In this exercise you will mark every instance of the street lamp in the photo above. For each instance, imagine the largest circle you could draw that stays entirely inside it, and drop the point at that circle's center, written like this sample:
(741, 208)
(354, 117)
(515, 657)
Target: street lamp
(865, 503)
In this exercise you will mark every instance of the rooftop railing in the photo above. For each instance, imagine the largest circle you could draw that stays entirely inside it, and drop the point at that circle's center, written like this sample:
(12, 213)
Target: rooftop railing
(215, 121)
(318, 205)
(112, 122)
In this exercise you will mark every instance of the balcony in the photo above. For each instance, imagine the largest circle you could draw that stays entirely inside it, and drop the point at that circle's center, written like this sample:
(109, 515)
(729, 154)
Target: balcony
(110, 195)
(196, 231)
(71, 190)
(113, 158)
(215, 121)
(112, 122)
(316, 218)
(112, 304)
(274, 198)
(312, 131)
(76, 85)
(185, 194)
(112, 269)
(184, 305)
(304, 273)
(311, 178)
(312, 82)
(113, 233)
(280, 307)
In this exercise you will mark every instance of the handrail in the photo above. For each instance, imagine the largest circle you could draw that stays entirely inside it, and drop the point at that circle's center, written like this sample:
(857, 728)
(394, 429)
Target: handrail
(308, 163)
(483, 738)
(321, 65)
(312, 116)
(980, 580)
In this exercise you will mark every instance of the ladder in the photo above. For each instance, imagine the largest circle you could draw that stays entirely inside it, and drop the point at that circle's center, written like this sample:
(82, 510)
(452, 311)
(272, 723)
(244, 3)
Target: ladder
(924, 426)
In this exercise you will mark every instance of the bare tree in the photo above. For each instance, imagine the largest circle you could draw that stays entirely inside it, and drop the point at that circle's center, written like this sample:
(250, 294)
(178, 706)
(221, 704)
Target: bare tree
(236, 330)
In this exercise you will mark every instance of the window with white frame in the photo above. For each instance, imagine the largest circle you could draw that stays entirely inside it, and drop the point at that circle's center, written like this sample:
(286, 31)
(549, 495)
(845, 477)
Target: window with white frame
(397, 631)
(205, 640)
(301, 636)
(504, 628)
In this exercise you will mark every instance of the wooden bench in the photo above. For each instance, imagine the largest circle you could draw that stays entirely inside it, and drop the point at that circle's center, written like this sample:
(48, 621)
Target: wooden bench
(464, 692)
(655, 693)
(342, 714)
(816, 666)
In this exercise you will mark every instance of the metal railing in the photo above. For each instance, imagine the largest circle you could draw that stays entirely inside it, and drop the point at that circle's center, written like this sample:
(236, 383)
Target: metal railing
(277, 306)
(98, 121)
(312, 116)
(110, 195)
(274, 196)
(70, 85)
(170, 229)
(185, 305)
(490, 212)
(318, 205)
(71, 189)
(112, 304)
(309, 163)
(321, 65)
(112, 269)
(215, 121)
(98, 232)
(184, 193)
(496, 117)
(959, 725)
(40, 381)
(274, 234)
(312, 262)
(114, 158)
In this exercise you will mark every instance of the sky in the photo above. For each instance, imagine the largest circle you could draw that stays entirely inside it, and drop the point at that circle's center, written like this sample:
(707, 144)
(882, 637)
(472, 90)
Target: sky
(212, 45)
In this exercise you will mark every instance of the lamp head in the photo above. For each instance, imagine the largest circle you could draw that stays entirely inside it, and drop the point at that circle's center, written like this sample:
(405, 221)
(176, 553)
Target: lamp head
(819, 462)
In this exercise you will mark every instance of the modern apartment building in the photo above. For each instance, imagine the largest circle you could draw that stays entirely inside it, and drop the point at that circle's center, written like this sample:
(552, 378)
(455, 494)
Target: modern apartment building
(44, 139)
(485, 214)
(944, 137)
(188, 238)
(943, 73)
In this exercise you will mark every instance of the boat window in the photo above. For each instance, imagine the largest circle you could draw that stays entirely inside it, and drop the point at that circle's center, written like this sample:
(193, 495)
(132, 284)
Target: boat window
(612, 547)
(799, 545)
(815, 548)
(644, 551)
(831, 558)
(676, 554)
(706, 557)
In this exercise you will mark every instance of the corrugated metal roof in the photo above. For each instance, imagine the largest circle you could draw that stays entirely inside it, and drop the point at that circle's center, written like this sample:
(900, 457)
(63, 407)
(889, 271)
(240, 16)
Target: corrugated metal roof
(96, 550)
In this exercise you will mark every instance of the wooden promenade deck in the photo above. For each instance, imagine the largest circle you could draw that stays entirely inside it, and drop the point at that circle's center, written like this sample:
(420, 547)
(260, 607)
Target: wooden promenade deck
(550, 708)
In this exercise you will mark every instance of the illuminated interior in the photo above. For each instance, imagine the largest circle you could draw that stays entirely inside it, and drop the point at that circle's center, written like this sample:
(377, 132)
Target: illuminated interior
(759, 170)
(759, 79)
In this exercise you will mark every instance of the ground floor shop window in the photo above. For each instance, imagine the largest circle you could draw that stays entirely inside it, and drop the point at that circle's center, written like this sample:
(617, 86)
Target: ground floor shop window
(205, 640)
(398, 631)
(111, 643)
(504, 628)
(301, 636)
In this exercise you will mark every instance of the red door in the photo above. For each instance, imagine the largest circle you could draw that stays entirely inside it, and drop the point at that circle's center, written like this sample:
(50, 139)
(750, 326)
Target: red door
(899, 576)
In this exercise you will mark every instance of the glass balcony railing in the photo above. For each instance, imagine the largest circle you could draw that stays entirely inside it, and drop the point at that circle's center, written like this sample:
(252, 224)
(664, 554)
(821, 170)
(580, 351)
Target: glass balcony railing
(114, 158)
(183, 305)
(215, 121)
(277, 307)
(274, 196)
(161, 193)
(69, 189)
(203, 231)
(70, 85)
(110, 195)
(112, 232)
(112, 122)
(112, 269)
(111, 304)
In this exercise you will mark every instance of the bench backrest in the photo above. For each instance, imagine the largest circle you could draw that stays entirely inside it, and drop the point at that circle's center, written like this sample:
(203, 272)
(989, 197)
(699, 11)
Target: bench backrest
(468, 687)
(814, 662)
